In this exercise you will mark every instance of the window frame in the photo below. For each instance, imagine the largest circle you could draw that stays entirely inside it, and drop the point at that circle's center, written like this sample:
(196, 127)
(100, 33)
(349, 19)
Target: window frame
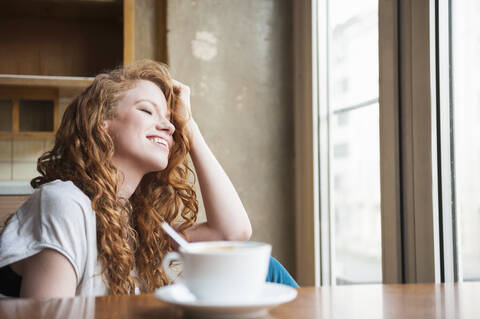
(309, 267)
(416, 163)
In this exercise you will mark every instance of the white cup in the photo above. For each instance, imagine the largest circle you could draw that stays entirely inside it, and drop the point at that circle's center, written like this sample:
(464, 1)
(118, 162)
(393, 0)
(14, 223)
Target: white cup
(221, 271)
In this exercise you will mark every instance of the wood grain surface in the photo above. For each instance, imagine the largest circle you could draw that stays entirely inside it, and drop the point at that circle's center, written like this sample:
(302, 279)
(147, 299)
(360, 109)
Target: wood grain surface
(360, 301)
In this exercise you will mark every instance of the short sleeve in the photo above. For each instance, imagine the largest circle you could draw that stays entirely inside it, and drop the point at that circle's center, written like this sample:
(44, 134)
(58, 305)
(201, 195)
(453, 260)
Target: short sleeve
(50, 219)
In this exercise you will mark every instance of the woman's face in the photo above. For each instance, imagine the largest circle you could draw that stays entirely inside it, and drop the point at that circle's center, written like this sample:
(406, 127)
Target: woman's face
(141, 130)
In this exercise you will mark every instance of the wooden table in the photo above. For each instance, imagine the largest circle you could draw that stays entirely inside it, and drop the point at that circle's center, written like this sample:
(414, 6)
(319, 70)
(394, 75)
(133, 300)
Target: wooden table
(364, 301)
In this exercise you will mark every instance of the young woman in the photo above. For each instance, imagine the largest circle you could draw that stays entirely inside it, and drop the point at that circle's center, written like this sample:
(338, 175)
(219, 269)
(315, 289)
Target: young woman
(118, 169)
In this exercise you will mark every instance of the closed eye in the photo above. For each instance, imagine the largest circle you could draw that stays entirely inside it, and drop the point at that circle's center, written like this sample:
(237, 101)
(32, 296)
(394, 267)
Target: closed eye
(146, 111)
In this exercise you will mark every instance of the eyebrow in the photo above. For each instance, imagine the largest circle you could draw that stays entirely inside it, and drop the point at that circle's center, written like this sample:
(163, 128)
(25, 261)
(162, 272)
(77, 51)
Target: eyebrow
(167, 114)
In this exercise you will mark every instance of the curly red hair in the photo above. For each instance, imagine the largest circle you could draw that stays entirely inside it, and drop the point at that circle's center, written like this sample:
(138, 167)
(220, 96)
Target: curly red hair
(129, 235)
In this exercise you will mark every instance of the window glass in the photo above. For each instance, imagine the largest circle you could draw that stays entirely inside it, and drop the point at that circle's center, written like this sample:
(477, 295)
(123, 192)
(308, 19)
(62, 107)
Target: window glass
(466, 112)
(355, 167)
(353, 51)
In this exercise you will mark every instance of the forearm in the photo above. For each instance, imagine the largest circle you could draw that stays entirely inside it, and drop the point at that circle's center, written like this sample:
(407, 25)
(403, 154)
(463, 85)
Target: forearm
(226, 216)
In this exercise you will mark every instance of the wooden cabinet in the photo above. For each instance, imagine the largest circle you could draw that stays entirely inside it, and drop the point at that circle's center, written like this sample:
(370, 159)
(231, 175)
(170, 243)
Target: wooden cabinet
(55, 46)
(78, 38)
(46, 45)
(60, 38)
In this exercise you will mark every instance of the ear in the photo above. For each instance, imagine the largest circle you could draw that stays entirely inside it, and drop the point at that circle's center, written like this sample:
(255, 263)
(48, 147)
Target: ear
(105, 125)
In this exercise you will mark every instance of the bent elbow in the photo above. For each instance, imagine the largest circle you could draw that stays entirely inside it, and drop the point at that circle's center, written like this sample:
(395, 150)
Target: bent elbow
(242, 235)
(245, 235)
(248, 232)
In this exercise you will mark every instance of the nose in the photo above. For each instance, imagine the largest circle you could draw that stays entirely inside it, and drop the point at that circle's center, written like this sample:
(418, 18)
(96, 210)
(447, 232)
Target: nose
(166, 125)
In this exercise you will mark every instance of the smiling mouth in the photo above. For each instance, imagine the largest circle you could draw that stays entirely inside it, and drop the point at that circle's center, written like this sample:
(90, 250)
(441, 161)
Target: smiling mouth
(158, 141)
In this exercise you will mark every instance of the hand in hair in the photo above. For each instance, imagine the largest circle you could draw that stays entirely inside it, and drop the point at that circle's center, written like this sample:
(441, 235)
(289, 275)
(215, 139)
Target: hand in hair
(183, 93)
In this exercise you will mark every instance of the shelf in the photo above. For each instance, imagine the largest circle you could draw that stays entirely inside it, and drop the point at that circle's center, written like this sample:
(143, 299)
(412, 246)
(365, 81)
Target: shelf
(25, 135)
(45, 81)
(15, 188)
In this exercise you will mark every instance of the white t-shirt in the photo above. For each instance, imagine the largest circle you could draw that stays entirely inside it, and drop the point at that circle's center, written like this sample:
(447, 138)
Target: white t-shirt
(58, 216)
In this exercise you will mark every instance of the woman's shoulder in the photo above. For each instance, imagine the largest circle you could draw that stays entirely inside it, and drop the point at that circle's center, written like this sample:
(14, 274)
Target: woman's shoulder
(58, 191)
(57, 198)
(63, 189)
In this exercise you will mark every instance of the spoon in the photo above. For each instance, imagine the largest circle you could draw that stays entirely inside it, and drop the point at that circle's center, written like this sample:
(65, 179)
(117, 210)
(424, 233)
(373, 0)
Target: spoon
(175, 236)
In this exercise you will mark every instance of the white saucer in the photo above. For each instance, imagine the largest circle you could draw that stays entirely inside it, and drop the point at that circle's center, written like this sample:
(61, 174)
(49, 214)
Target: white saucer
(272, 295)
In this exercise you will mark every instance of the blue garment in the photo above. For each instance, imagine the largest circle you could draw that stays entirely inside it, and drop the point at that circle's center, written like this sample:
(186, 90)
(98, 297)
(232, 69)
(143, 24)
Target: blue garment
(278, 274)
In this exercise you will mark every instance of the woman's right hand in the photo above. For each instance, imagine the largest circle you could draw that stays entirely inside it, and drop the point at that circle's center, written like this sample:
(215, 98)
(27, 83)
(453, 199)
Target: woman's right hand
(183, 93)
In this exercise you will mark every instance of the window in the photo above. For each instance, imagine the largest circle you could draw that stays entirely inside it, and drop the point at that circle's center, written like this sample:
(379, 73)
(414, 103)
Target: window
(465, 44)
(419, 168)
(352, 50)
